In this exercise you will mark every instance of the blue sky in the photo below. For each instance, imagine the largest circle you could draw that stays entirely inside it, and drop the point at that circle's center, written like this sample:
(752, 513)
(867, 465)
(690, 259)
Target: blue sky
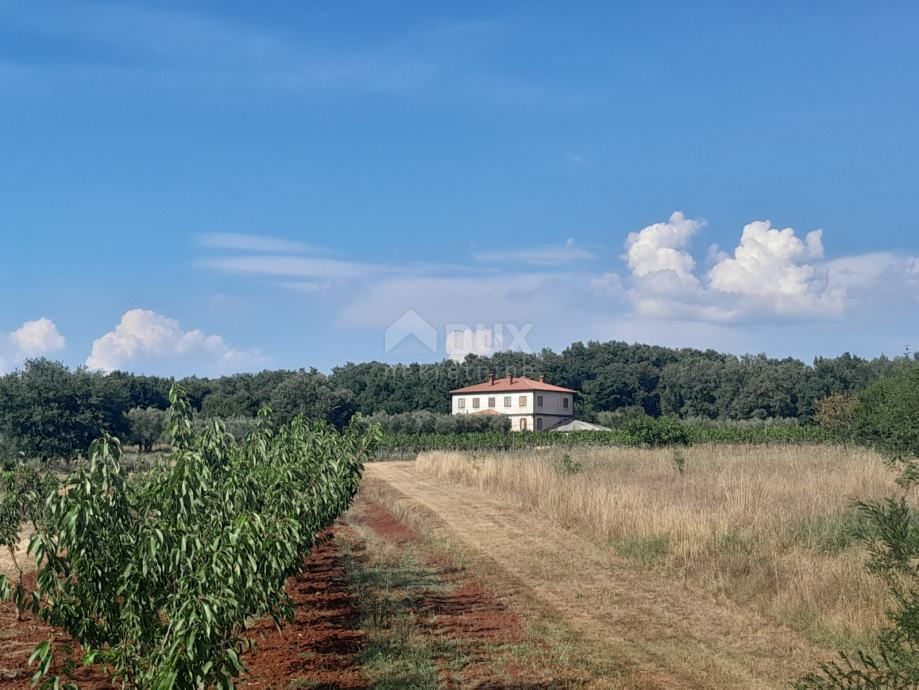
(212, 187)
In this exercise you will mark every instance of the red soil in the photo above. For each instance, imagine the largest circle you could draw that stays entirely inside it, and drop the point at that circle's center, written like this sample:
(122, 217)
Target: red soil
(471, 613)
(386, 525)
(18, 639)
(322, 645)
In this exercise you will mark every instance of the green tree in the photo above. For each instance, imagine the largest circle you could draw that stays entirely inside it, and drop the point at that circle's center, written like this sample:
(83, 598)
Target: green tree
(146, 426)
(312, 395)
(48, 411)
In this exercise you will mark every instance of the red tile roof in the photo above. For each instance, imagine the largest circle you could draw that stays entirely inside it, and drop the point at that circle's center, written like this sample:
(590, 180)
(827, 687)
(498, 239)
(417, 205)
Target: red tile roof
(511, 383)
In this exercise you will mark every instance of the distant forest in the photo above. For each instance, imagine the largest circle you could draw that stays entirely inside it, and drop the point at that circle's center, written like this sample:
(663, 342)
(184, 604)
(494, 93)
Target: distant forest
(49, 410)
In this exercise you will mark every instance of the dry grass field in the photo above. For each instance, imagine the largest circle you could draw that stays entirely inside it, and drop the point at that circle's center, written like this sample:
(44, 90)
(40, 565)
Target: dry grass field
(769, 527)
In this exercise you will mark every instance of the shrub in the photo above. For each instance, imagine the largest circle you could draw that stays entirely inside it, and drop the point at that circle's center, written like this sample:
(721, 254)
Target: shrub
(565, 465)
(663, 431)
(835, 414)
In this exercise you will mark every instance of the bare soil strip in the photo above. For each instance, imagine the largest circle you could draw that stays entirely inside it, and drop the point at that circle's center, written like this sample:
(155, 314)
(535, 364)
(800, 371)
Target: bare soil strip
(321, 647)
(667, 634)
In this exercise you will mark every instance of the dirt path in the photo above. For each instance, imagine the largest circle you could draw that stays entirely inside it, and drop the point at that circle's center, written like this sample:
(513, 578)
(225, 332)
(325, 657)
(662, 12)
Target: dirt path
(668, 634)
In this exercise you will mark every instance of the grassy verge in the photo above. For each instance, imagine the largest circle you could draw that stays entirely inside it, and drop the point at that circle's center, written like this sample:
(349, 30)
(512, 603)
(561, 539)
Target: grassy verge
(770, 527)
(397, 654)
(547, 651)
(430, 624)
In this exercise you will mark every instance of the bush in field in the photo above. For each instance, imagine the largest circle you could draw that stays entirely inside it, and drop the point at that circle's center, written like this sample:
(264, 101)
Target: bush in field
(158, 576)
(835, 414)
(887, 417)
(663, 431)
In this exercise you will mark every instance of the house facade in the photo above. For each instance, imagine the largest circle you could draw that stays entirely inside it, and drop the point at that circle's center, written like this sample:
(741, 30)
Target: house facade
(532, 405)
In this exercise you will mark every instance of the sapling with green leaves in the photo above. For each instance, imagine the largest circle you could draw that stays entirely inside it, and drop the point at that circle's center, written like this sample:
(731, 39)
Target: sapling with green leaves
(158, 576)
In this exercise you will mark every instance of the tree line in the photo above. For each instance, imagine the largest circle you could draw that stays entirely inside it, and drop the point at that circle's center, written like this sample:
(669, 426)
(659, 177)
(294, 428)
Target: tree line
(48, 410)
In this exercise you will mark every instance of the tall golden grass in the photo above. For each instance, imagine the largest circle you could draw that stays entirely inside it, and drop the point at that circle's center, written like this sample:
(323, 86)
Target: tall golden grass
(771, 527)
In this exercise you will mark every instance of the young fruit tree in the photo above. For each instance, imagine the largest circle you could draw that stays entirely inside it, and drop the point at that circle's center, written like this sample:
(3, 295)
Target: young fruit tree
(157, 576)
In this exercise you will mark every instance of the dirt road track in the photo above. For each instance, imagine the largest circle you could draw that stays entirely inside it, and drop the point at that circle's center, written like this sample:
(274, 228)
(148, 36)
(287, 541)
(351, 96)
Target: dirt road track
(665, 633)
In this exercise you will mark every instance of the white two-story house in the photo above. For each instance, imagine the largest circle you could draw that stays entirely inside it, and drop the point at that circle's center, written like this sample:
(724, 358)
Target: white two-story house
(531, 405)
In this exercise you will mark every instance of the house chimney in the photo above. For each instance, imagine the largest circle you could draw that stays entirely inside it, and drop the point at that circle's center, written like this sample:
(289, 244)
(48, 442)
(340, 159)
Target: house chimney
(491, 378)
(510, 378)
(542, 378)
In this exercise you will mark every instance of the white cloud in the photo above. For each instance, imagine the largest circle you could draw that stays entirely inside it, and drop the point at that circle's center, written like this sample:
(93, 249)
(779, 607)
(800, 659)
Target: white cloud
(607, 285)
(255, 243)
(291, 266)
(144, 337)
(32, 339)
(508, 298)
(772, 265)
(36, 338)
(558, 255)
(772, 272)
(659, 248)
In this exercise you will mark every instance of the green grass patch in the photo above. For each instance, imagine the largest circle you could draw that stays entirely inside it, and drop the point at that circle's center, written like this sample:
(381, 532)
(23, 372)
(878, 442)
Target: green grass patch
(645, 550)
(397, 654)
(833, 533)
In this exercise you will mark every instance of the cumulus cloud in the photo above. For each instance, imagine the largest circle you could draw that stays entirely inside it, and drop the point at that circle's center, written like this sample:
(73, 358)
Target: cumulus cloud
(143, 337)
(779, 269)
(771, 272)
(32, 339)
(36, 338)
(659, 248)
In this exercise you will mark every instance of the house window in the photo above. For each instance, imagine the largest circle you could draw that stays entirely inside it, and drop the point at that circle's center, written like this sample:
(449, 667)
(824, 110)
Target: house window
(539, 423)
(461, 404)
(523, 424)
(565, 403)
(523, 401)
(475, 403)
(507, 401)
(491, 402)
(539, 401)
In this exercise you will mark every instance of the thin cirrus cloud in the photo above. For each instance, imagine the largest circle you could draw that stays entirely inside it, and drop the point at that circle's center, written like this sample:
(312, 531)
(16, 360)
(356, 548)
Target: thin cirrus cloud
(560, 255)
(179, 48)
(283, 266)
(143, 339)
(264, 255)
(235, 241)
(36, 338)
